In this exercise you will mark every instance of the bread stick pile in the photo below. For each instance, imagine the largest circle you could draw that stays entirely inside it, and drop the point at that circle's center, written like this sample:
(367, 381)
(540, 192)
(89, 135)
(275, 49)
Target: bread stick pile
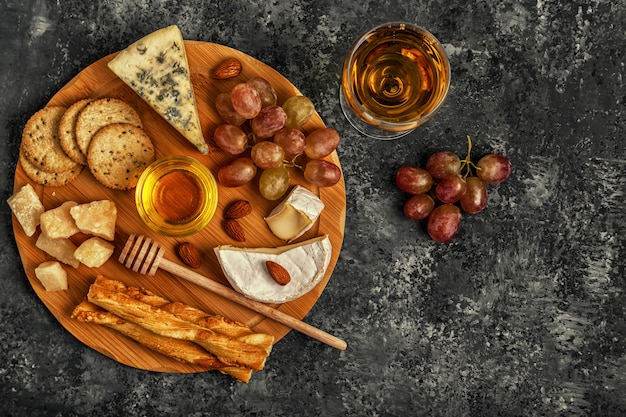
(175, 329)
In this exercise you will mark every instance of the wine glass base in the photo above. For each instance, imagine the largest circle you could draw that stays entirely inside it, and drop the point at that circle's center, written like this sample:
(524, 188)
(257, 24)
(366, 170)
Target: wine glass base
(365, 128)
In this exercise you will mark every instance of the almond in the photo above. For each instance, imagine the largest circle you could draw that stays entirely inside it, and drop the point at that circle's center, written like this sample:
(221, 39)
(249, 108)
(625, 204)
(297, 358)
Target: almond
(190, 255)
(234, 230)
(238, 209)
(227, 69)
(278, 272)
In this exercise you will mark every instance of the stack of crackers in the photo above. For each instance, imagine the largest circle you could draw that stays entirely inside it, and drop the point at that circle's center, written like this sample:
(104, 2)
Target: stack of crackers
(105, 135)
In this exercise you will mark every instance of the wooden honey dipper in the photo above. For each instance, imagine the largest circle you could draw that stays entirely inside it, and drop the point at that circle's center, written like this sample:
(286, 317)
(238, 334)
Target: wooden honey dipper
(144, 255)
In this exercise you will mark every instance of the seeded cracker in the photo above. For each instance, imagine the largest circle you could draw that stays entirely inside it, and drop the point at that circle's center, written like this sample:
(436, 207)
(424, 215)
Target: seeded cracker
(50, 179)
(40, 141)
(118, 154)
(100, 113)
(67, 131)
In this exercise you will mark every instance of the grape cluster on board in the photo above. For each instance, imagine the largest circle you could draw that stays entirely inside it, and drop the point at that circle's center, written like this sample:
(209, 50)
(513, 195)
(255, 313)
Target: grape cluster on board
(456, 189)
(254, 120)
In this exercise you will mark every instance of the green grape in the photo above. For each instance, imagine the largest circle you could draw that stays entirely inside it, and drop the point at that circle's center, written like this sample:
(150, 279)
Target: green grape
(274, 183)
(299, 110)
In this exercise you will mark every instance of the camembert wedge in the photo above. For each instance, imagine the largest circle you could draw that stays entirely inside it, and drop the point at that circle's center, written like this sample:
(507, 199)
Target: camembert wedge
(295, 214)
(156, 68)
(245, 268)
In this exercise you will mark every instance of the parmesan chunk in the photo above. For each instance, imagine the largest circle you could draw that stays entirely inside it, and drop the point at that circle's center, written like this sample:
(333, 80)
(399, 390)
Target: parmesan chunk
(58, 223)
(27, 208)
(96, 218)
(94, 252)
(52, 276)
(61, 249)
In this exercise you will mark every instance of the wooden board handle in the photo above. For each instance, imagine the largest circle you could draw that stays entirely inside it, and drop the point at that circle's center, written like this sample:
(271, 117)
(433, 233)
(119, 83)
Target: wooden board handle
(267, 311)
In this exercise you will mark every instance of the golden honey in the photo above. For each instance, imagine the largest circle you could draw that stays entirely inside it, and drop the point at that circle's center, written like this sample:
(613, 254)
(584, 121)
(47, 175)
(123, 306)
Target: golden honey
(176, 196)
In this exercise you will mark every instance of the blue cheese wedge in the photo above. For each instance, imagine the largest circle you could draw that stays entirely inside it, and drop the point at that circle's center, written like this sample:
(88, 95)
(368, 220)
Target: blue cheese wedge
(246, 270)
(156, 68)
(295, 214)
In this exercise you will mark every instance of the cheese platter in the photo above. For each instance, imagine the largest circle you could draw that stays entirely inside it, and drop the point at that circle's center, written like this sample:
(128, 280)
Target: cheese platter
(98, 81)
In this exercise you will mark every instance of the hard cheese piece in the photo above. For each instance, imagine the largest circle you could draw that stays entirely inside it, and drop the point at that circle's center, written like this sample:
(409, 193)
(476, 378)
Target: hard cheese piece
(246, 271)
(295, 214)
(94, 252)
(27, 207)
(58, 223)
(52, 276)
(96, 218)
(156, 68)
(61, 249)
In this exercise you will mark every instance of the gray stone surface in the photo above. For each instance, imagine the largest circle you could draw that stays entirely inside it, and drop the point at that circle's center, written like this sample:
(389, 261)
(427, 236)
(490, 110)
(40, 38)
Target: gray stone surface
(523, 314)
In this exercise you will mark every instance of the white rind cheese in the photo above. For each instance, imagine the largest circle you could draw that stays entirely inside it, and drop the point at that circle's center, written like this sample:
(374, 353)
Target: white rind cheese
(245, 268)
(295, 214)
(156, 68)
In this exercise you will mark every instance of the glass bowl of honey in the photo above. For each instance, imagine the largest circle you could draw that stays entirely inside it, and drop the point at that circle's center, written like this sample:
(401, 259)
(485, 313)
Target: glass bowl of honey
(176, 196)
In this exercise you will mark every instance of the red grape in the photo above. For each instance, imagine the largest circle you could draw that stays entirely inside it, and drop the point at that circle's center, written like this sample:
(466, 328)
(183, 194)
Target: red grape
(230, 138)
(419, 206)
(291, 140)
(321, 143)
(224, 107)
(443, 222)
(443, 163)
(238, 172)
(493, 168)
(246, 100)
(321, 173)
(269, 121)
(413, 180)
(451, 188)
(267, 155)
(265, 89)
(475, 198)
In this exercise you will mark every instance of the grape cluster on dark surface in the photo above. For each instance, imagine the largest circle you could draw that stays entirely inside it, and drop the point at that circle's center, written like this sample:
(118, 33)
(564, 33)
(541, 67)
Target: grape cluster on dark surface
(448, 187)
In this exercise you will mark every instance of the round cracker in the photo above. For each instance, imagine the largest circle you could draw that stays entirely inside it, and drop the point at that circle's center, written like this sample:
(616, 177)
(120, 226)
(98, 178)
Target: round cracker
(67, 131)
(50, 179)
(118, 154)
(100, 113)
(40, 141)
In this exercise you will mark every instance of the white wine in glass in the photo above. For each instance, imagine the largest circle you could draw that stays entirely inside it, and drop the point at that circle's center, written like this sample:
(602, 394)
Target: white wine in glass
(395, 77)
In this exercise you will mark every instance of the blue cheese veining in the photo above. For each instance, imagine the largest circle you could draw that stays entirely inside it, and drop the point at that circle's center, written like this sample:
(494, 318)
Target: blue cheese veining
(156, 68)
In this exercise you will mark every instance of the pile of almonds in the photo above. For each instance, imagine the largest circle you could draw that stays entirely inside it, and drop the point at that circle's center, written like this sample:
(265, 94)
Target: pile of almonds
(237, 210)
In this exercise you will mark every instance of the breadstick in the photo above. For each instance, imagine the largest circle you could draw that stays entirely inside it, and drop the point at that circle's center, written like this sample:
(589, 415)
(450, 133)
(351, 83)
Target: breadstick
(215, 323)
(181, 350)
(227, 350)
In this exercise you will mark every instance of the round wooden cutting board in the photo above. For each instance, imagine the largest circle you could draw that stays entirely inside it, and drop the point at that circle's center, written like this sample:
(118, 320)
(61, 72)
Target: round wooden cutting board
(98, 81)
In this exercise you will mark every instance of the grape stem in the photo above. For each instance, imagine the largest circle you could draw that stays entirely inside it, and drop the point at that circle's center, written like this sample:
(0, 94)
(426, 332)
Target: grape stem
(292, 163)
(467, 163)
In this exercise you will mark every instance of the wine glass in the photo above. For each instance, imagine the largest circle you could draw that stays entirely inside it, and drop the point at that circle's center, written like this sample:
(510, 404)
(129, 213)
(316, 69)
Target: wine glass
(395, 77)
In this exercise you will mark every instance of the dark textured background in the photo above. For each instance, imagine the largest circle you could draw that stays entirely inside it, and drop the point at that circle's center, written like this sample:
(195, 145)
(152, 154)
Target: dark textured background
(523, 314)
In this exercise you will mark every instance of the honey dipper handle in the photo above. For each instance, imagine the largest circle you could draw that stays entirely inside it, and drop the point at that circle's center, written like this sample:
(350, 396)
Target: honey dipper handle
(267, 311)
